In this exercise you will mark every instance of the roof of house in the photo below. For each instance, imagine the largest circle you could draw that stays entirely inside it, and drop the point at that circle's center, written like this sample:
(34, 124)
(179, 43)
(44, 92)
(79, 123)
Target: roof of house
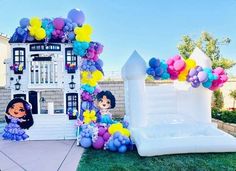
(13, 40)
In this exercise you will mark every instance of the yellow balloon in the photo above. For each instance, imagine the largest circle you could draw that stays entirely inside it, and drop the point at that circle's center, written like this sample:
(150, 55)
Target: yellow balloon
(35, 22)
(32, 30)
(40, 34)
(191, 63)
(182, 77)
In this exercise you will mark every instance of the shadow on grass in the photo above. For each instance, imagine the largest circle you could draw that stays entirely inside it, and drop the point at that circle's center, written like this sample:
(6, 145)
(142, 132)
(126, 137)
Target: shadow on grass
(96, 160)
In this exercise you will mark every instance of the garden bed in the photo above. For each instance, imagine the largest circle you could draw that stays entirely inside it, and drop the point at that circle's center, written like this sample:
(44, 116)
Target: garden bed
(227, 127)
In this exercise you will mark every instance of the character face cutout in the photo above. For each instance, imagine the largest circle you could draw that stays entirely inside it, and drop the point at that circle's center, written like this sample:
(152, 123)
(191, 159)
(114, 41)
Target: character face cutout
(17, 110)
(104, 103)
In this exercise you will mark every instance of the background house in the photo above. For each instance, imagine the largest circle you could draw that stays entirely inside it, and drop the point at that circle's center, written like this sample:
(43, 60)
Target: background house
(4, 51)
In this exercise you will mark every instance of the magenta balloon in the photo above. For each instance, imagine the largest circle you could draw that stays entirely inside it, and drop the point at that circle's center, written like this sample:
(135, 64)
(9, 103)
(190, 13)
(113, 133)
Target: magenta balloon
(106, 136)
(76, 16)
(98, 144)
(202, 76)
(179, 65)
(59, 23)
(101, 131)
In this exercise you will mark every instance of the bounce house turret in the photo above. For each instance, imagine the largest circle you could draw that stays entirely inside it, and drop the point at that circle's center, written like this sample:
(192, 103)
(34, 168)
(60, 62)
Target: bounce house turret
(201, 58)
(133, 74)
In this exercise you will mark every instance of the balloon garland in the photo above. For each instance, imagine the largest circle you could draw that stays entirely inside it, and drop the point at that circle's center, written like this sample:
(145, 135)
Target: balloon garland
(186, 70)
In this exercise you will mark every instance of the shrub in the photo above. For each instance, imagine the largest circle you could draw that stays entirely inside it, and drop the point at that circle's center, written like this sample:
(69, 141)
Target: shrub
(225, 116)
(218, 101)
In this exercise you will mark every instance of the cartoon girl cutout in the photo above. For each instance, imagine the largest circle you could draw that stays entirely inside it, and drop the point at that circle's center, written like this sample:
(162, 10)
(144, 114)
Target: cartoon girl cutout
(106, 101)
(19, 117)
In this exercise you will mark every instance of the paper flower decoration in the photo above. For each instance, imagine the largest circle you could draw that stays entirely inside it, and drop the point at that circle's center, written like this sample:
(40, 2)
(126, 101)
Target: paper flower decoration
(118, 127)
(91, 78)
(83, 34)
(89, 116)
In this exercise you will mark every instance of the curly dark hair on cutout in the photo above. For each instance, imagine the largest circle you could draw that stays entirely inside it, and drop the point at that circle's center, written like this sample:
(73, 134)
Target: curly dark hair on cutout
(28, 117)
(109, 96)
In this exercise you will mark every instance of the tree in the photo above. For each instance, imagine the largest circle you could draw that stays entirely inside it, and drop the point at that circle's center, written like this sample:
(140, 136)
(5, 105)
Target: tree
(233, 95)
(218, 100)
(209, 45)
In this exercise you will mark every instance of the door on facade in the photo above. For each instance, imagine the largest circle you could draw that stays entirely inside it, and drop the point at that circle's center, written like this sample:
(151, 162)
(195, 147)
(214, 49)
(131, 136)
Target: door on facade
(33, 99)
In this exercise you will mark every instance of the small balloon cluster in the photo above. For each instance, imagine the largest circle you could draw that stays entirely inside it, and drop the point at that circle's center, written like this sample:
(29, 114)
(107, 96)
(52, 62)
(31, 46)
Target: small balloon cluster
(109, 137)
(187, 70)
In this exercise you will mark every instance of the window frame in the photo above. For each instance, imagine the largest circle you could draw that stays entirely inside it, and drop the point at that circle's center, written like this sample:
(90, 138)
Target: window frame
(45, 47)
(23, 96)
(73, 57)
(19, 61)
(72, 96)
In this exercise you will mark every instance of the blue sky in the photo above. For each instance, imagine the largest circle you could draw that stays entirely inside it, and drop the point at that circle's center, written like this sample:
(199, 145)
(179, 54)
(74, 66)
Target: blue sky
(152, 27)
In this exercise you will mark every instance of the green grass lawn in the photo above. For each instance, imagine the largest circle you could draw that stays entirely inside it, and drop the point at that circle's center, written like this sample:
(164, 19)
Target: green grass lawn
(101, 160)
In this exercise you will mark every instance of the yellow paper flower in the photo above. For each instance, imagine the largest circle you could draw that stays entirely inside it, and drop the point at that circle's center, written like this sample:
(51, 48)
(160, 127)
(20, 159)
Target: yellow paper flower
(89, 116)
(83, 34)
(118, 127)
(91, 78)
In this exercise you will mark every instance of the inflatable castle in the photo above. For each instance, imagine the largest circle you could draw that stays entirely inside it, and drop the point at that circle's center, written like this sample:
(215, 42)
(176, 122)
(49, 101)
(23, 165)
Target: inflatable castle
(171, 118)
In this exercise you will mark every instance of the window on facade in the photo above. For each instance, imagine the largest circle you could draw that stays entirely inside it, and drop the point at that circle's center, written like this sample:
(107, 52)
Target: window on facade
(19, 56)
(22, 96)
(71, 58)
(72, 101)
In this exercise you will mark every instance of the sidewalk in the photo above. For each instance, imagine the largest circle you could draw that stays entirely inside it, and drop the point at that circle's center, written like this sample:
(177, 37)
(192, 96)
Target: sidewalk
(61, 155)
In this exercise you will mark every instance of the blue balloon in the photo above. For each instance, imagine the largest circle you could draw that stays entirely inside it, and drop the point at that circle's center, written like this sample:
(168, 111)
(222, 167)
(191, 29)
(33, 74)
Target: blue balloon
(111, 146)
(117, 134)
(122, 149)
(159, 71)
(117, 142)
(151, 71)
(86, 142)
(207, 84)
(153, 62)
(120, 138)
(76, 16)
(24, 22)
(71, 36)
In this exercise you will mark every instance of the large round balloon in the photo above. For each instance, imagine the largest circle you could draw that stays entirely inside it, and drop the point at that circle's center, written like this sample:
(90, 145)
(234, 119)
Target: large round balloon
(76, 16)
(98, 144)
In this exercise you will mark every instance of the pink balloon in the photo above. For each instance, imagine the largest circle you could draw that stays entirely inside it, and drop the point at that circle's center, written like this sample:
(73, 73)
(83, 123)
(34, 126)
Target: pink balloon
(219, 70)
(98, 144)
(170, 61)
(59, 23)
(176, 57)
(179, 65)
(224, 78)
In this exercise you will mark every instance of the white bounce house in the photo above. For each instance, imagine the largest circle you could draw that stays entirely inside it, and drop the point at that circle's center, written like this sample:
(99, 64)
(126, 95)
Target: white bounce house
(171, 118)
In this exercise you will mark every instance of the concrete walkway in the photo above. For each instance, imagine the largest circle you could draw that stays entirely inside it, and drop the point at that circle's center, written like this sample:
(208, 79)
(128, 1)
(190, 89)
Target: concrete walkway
(61, 155)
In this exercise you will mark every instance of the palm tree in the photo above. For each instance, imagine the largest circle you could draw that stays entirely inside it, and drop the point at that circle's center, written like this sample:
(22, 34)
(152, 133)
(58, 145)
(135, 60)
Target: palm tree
(233, 95)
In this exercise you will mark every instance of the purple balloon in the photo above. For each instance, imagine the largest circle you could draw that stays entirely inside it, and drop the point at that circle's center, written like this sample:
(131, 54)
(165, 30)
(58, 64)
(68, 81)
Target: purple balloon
(59, 23)
(202, 76)
(76, 16)
(106, 136)
(99, 143)
(195, 85)
(192, 72)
